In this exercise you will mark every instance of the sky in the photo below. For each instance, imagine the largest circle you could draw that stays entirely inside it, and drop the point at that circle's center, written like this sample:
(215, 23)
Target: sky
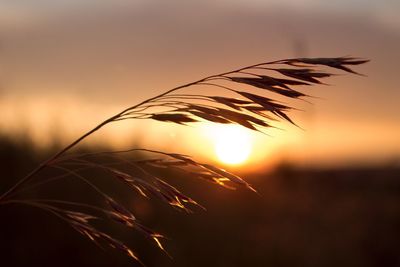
(66, 65)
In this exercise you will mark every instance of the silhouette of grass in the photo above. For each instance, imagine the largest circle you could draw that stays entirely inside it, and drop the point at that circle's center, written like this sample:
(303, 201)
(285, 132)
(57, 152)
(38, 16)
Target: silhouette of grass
(254, 111)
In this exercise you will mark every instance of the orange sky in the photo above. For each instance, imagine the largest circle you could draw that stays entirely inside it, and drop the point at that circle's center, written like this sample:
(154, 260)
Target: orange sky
(70, 64)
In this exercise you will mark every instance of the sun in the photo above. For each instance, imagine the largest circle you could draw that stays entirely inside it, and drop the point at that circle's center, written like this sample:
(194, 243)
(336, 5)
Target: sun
(232, 143)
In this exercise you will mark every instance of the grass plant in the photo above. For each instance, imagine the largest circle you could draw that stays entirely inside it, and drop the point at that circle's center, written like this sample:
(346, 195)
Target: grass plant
(254, 107)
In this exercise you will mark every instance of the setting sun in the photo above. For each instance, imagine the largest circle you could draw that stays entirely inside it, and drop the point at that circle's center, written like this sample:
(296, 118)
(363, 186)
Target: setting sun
(232, 143)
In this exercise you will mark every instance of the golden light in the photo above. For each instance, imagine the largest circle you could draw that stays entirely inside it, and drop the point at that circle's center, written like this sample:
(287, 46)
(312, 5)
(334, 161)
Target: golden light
(232, 143)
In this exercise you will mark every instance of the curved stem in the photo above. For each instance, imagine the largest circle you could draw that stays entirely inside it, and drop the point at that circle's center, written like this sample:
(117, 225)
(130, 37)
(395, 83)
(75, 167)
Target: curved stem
(51, 179)
(46, 163)
(49, 161)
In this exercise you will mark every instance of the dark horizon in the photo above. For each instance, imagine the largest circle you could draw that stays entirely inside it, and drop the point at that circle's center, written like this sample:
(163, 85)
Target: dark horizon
(300, 217)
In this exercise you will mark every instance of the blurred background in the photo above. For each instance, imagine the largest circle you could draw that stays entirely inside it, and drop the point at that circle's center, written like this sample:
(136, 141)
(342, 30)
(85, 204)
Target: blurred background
(329, 193)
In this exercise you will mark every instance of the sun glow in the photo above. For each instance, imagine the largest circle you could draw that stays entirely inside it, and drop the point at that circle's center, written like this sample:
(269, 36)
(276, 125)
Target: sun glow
(232, 143)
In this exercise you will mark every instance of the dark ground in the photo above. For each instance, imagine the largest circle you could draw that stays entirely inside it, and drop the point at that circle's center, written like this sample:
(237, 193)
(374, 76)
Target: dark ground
(338, 217)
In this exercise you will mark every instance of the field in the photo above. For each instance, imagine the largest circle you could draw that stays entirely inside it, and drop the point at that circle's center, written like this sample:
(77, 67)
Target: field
(301, 217)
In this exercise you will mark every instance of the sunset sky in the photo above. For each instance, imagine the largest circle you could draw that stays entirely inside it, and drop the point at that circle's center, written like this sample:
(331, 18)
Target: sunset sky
(67, 65)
